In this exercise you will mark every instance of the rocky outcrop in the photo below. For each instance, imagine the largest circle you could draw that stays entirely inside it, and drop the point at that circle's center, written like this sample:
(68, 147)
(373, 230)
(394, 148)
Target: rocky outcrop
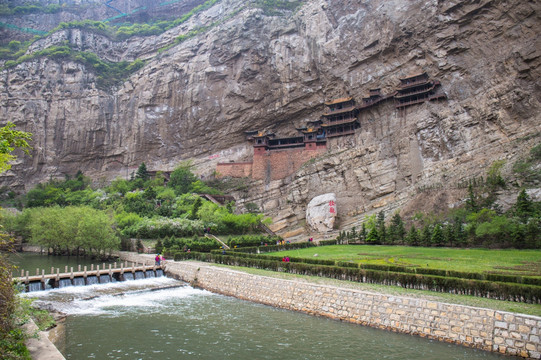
(254, 71)
(321, 212)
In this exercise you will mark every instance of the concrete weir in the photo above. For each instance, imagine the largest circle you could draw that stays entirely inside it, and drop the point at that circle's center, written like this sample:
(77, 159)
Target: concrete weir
(491, 330)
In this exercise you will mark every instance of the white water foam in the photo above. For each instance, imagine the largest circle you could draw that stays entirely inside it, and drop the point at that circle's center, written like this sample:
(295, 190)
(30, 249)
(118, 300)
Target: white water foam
(113, 299)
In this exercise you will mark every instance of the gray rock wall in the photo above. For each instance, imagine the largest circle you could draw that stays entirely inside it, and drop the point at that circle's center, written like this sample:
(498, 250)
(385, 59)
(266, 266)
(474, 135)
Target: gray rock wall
(253, 71)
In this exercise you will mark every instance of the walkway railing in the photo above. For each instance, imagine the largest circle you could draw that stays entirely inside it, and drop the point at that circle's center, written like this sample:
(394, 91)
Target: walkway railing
(210, 236)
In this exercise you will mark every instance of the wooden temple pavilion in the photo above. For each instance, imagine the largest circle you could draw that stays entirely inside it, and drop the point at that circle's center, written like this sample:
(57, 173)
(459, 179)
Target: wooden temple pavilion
(374, 97)
(416, 89)
(340, 117)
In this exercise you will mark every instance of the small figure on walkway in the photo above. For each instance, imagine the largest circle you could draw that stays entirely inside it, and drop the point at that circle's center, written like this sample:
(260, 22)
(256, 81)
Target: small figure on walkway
(158, 259)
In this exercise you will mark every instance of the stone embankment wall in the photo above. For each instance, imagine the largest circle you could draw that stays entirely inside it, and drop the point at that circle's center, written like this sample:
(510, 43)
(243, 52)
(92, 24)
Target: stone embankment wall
(497, 331)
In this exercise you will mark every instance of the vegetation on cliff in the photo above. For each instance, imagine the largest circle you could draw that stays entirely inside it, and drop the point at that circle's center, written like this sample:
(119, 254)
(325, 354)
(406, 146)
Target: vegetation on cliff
(107, 73)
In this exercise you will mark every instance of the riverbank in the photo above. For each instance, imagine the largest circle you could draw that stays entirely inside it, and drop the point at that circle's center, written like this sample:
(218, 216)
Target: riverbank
(40, 347)
(487, 329)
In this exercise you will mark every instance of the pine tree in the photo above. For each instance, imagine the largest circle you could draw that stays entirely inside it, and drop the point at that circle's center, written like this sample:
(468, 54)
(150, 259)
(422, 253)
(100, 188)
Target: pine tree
(437, 236)
(142, 172)
(426, 235)
(362, 233)
(396, 229)
(449, 234)
(413, 236)
(471, 202)
(381, 229)
(524, 206)
(372, 237)
(195, 208)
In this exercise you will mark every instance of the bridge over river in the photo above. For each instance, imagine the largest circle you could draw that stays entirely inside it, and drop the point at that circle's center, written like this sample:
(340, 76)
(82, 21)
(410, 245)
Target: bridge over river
(87, 276)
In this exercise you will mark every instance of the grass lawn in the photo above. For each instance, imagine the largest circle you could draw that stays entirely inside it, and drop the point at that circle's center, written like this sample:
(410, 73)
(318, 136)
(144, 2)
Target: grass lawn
(507, 261)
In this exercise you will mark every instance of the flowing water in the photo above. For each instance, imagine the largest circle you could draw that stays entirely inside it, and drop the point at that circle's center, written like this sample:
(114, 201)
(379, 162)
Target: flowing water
(162, 318)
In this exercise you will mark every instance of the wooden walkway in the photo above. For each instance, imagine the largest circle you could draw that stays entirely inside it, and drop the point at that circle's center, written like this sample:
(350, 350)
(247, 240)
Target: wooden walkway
(84, 272)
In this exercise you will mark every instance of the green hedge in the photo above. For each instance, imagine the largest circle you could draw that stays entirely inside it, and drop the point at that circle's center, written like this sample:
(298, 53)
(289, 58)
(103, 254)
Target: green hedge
(481, 288)
(251, 240)
(448, 273)
(273, 248)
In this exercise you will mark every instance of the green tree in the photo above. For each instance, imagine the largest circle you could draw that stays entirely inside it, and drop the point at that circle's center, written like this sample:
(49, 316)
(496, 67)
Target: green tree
(471, 201)
(150, 193)
(362, 233)
(372, 236)
(10, 140)
(195, 208)
(182, 178)
(426, 235)
(381, 229)
(449, 234)
(437, 238)
(524, 206)
(142, 172)
(396, 229)
(11, 338)
(413, 236)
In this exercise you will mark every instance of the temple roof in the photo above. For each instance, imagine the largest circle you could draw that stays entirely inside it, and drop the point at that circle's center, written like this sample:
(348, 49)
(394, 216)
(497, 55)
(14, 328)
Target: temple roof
(341, 122)
(411, 76)
(338, 101)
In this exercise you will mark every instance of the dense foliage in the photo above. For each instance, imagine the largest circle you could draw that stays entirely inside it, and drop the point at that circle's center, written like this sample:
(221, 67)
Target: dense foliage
(68, 216)
(205, 244)
(11, 336)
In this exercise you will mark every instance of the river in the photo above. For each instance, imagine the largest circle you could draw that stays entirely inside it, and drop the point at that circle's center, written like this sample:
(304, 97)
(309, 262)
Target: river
(163, 318)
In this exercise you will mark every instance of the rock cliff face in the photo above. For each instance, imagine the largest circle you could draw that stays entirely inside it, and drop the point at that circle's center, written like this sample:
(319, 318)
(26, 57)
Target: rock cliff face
(251, 71)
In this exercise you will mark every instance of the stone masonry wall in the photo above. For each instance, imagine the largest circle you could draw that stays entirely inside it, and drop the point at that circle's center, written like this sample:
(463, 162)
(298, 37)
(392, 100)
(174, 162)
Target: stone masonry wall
(243, 169)
(278, 164)
(497, 331)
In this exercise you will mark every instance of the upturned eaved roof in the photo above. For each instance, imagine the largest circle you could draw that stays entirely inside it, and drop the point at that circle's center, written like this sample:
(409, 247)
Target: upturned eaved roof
(338, 101)
(414, 75)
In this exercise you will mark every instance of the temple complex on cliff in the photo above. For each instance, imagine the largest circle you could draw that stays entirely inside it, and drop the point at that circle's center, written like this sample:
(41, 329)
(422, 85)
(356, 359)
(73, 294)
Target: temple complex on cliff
(277, 157)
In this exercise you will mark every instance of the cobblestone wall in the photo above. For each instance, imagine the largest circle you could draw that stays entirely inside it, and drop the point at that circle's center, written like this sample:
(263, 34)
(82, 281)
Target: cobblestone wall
(491, 330)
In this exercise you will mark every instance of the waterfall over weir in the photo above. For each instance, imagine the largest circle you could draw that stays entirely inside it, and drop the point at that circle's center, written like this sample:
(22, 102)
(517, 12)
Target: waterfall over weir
(39, 283)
